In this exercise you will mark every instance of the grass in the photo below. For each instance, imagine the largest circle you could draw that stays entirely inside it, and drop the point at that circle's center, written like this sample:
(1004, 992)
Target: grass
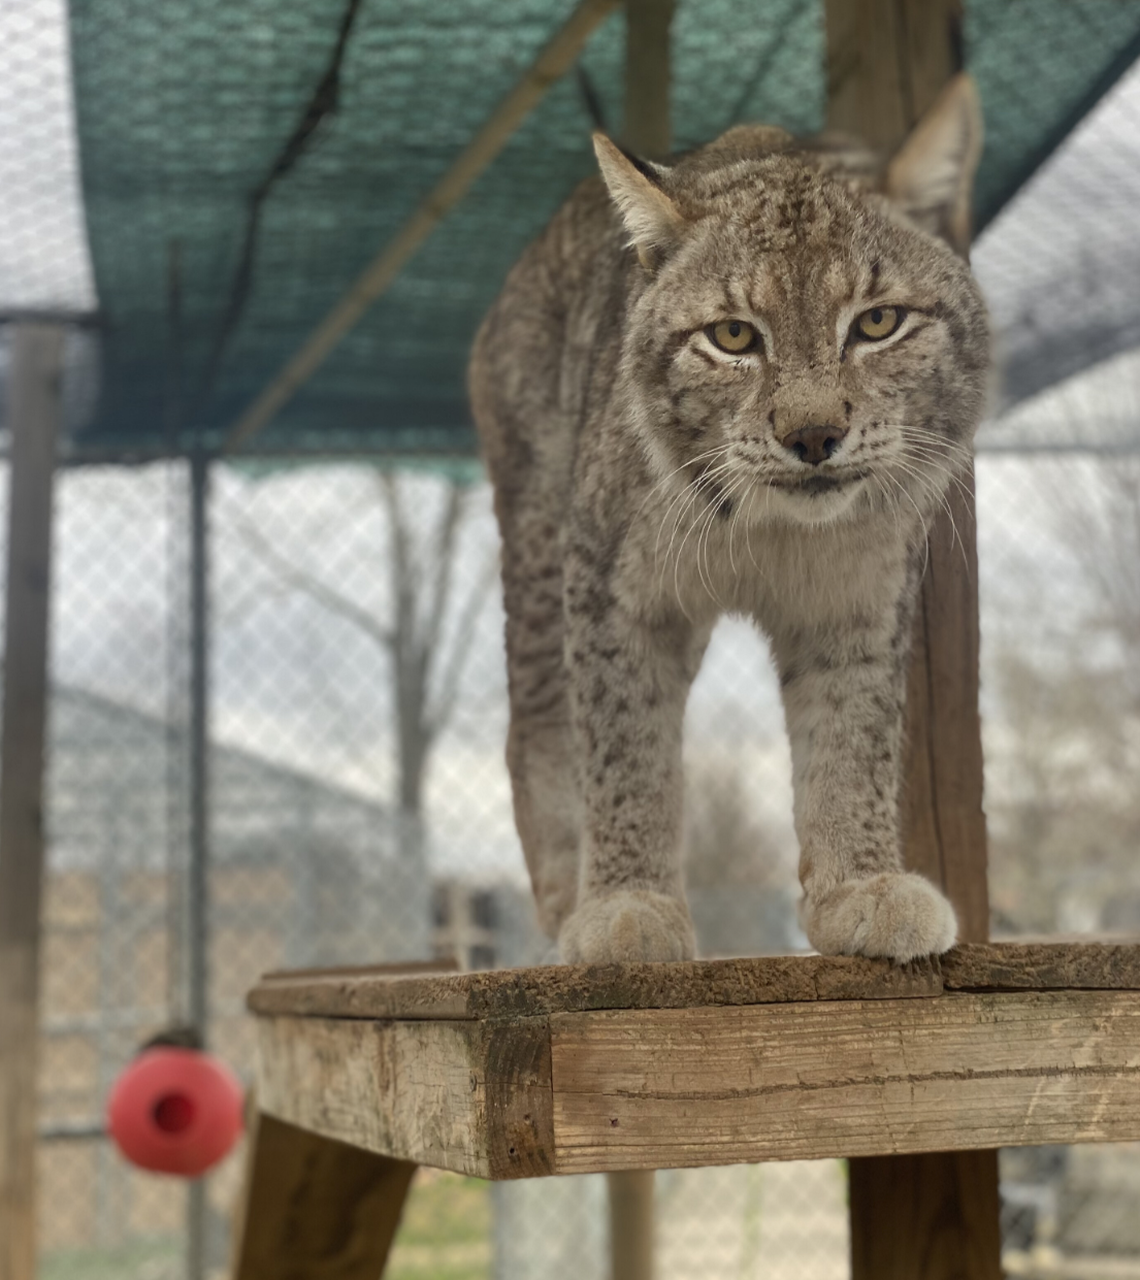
(446, 1230)
(445, 1234)
(162, 1258)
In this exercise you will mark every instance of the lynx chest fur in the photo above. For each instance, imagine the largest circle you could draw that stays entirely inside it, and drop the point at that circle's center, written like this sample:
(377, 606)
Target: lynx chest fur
(742, 382)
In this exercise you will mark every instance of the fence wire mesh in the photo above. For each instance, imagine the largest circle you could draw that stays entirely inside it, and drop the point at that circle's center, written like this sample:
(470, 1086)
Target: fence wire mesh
(341, 832)
(357, 805)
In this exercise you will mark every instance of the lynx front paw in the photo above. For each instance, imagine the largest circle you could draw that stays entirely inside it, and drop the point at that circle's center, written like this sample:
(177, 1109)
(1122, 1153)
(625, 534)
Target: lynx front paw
(897, 915)
(631, 924)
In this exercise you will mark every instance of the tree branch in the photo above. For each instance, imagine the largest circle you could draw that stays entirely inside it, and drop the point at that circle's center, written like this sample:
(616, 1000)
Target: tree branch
(301, 580)
(445, 546)
(439, 715)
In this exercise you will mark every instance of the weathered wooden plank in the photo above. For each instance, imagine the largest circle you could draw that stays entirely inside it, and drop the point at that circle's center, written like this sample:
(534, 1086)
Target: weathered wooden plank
(456, 1095)
(36, 353)
(316, 1209)
(658, 1088)
(662, 1088)
(513, 993)
(1043, 966)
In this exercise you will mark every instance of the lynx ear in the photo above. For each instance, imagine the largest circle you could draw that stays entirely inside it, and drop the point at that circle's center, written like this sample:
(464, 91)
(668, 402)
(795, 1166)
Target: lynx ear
(932, 175)
(650, 217)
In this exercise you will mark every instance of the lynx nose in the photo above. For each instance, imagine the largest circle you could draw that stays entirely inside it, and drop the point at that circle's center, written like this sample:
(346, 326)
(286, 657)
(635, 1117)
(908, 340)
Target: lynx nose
(814, 444)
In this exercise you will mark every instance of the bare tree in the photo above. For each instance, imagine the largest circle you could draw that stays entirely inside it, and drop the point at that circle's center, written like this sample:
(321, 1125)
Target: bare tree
(425, 634)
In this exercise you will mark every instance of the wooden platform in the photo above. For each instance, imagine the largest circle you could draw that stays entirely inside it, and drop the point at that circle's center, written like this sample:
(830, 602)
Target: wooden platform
(573, 1069)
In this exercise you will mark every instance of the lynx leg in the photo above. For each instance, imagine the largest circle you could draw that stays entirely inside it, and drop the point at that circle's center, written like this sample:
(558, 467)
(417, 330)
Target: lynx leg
(629, 683)
(843, 699)
(540, 757)
(527, 431)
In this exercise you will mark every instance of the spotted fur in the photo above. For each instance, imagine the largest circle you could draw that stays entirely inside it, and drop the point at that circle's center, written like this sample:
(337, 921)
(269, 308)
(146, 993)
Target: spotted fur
(646, 483)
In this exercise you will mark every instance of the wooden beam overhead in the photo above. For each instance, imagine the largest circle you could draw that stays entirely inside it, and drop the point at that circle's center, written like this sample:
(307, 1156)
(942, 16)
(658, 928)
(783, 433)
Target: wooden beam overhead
(555, 59)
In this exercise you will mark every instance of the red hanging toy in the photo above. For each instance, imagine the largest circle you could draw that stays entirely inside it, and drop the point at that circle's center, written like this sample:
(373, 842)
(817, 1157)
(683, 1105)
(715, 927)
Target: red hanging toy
(175, 1109)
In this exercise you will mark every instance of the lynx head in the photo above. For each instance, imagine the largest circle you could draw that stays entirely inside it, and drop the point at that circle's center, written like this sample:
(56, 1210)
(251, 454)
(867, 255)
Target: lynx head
(804, 337)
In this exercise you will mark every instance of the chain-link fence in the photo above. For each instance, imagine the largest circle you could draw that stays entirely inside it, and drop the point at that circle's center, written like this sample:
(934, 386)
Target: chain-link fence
(356, 806)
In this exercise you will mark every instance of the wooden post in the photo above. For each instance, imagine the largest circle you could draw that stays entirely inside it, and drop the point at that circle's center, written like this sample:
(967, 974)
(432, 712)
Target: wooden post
(631, 1224)
(925, 1217)
(647, 131)
(33, 412)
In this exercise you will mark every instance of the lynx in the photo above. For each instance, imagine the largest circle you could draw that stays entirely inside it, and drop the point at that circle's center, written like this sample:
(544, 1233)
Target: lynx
(740, 381)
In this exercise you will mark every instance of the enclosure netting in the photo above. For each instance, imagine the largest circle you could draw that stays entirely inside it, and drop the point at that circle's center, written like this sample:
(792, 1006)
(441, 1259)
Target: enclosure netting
(222, 228)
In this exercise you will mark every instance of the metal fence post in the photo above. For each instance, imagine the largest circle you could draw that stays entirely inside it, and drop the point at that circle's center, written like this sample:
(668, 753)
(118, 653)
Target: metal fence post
(33, 417)
(198, 889)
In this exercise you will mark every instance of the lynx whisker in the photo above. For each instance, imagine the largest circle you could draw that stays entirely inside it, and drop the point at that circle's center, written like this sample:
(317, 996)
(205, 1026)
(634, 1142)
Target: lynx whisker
(697, 491)
(681, 503)
(921, 523)
(684, 489)
(711, 514)
(944, 504)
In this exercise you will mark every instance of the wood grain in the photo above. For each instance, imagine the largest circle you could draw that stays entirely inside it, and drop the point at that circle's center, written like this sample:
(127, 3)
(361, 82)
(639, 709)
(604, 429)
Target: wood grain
(956, 1235)
(455, 1095)
(515, 993)
(316, 1209)
(658, 1089)
(1043, 966)
(33, 415)
(524, 993)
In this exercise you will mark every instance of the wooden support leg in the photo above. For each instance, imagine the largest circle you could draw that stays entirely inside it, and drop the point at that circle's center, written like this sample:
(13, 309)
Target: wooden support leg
(316, 1209)
(631, 1224)
(647, 131)
(928, 1216)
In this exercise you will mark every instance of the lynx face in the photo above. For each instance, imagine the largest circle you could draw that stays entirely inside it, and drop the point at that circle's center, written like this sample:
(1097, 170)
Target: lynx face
(801, 347)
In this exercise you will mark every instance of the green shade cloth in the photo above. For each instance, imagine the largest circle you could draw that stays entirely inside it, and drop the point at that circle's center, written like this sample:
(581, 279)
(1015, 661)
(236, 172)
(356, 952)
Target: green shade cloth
(183, 108)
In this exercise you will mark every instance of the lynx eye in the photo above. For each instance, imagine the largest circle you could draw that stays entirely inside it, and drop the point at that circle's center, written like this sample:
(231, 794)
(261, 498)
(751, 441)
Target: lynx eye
(733, 336)
(879, 323)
